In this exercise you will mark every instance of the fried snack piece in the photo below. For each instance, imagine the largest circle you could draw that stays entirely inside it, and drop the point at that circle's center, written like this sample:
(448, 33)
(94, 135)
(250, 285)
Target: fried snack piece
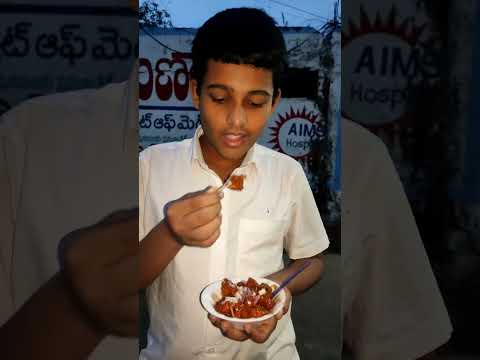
(228, 288)
(237, 182)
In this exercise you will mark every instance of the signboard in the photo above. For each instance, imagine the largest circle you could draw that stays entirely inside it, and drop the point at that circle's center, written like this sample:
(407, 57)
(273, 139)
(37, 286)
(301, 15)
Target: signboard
(48, 49)
(292, 128)
(166, 110)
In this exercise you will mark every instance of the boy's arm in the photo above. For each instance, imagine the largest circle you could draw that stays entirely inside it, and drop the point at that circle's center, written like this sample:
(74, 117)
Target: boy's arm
(306, 279)
(192, 220)
(306, 238)
(157, 250)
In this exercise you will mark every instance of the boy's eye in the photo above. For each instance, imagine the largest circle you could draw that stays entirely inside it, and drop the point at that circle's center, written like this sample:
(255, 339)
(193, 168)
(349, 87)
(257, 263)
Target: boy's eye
(217, 96)
(256, 104)
(257, 101)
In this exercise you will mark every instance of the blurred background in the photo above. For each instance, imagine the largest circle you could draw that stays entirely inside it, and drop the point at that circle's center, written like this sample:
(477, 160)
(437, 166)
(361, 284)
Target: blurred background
(49, 46)
(409, 75)
(61, 155)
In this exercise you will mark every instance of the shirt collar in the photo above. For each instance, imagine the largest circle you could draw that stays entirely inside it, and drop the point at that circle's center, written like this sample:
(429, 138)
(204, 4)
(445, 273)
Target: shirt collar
(197, 155)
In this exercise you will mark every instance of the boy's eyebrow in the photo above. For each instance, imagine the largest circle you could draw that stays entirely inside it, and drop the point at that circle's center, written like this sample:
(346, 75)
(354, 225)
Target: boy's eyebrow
(260, 92)
(227, 88)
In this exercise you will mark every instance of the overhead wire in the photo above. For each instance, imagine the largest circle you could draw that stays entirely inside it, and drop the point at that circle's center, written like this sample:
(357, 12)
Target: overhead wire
(156, 40)
(298, 9)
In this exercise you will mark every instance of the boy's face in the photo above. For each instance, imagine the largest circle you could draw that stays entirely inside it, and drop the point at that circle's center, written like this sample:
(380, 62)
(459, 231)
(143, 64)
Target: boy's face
(235, 103)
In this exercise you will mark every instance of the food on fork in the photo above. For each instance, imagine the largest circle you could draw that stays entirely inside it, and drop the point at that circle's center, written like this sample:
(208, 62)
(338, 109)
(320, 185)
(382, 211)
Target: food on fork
(236, 182)
(245, 299)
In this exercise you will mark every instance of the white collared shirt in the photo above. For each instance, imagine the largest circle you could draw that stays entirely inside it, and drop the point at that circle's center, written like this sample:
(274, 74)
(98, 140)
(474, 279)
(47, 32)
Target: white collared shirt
(275, 211)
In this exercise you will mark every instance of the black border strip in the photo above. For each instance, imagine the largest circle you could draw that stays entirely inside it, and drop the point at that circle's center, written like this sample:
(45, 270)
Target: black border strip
(68, 10)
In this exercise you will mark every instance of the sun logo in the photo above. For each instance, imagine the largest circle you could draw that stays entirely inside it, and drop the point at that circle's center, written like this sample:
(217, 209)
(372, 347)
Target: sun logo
(405, 29)
(382, 59)
(293, 133)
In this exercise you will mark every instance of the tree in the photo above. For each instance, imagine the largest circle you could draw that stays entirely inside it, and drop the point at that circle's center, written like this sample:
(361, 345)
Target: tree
(151, 15)
(328, 201)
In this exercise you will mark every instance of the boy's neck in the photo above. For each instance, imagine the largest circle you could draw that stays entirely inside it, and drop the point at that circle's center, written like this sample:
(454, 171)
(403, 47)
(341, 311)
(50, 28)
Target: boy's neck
(221, 166)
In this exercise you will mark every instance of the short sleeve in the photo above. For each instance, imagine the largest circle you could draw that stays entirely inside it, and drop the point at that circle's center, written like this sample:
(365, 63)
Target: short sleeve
(396, 311)
(306, 236)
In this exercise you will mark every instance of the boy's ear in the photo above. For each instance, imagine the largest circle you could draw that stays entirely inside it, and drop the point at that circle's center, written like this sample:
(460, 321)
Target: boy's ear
(276, 100)
(195, 94)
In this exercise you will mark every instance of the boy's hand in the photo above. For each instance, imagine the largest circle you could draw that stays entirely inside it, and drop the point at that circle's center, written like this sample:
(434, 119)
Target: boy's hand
(195, 218)
(258, 333)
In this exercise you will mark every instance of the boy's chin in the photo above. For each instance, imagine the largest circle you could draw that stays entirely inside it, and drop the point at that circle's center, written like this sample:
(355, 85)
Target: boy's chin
(233, 155)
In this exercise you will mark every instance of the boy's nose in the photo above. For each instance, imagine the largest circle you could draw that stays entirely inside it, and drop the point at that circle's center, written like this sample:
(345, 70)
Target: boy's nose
(237, 117)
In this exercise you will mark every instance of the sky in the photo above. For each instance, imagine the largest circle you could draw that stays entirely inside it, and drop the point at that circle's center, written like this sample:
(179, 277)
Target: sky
(193, 13)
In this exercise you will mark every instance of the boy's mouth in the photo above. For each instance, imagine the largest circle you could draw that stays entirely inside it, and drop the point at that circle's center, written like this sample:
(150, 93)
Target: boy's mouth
(234, 139)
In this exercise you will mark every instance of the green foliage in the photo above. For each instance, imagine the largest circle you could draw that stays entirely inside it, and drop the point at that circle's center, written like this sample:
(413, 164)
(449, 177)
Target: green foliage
(322, 148)
(151, 15)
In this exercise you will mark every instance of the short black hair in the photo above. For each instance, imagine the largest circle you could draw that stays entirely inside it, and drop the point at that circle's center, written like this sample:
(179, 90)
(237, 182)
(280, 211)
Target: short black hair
(240, 36)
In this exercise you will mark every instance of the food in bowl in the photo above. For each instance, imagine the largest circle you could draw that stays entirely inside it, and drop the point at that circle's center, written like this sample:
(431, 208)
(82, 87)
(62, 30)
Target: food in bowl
(212, 293)
(245, 299)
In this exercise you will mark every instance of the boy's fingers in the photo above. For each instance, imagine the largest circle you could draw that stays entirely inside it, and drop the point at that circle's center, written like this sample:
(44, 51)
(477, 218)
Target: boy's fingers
(214, 320)
(262, 332)
(206, 232)
(288, 301)
(211, 189)
(201, 201)
(211, 240)
(233, 333)
(203, 216)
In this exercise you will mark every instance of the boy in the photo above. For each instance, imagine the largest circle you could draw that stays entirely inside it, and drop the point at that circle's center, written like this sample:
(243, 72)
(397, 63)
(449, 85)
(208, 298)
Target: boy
(192, 234)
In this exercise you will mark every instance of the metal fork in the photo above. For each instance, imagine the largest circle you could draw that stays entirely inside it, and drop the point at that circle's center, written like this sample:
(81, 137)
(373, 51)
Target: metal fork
(225, 184)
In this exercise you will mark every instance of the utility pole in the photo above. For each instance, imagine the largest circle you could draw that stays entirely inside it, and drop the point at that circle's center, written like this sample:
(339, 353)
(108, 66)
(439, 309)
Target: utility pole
(335, 13)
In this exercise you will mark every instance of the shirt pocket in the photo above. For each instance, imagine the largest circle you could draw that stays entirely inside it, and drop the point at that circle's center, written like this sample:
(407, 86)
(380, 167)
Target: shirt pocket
(260, 247)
